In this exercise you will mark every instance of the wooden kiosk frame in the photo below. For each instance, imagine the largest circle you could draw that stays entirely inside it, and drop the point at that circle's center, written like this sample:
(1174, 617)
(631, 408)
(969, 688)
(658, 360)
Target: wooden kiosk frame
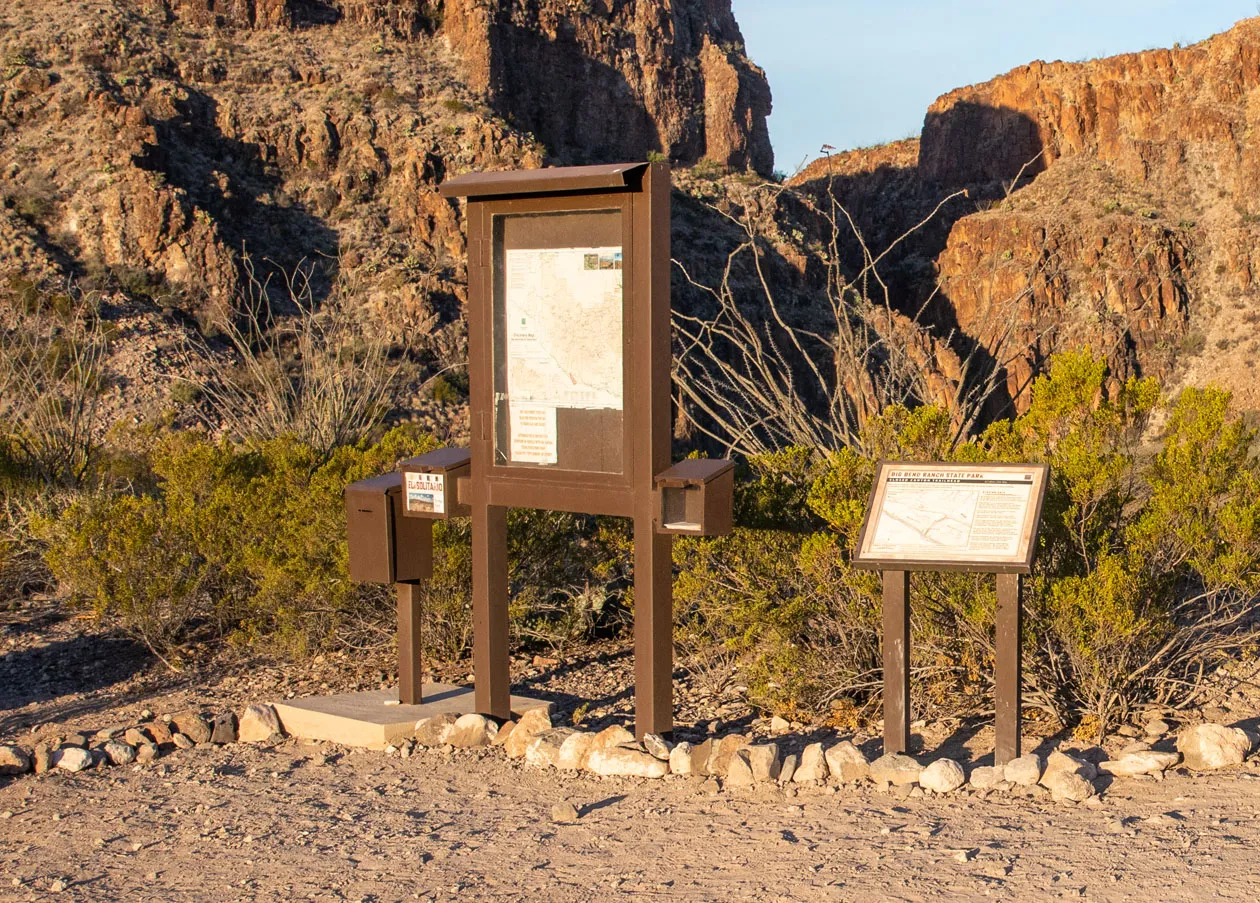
(576, 207)
(1009, 568)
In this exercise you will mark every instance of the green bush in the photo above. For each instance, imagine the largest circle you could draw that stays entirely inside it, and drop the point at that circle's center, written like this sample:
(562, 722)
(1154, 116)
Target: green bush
(1146, 577)
(247, 543)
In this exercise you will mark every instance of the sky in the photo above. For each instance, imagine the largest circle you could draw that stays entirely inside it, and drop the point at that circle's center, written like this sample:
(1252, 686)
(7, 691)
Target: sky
(852, 73)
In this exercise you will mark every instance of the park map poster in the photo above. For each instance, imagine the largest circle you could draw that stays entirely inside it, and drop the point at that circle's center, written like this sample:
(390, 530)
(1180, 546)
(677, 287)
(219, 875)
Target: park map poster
(563, 325)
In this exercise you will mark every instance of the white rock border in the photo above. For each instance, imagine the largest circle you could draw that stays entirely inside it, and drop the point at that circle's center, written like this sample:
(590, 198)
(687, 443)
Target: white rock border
(733, 759)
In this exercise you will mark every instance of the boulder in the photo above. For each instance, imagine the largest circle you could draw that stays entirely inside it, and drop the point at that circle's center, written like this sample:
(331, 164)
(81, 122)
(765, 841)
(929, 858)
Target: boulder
(942, 776)
(616, 735)
(161, 733)
(813, 765)
(223, 731)
(564, 813)
(779, 725)
(72, 758)
(723, 750)
(1157, 727)
(788, 769)
(1024, 771)
(182, 741)
(14, 760)
(544, 748)
(575, 750)
(1068, 778)
(897, 769)
(258, 723)
(680, 759)
(846, 763)
(622, 762)
(505, 731)
(1061, 761)
(119, 753)
(532, 723)
(194, 726)
(657, 745)
(469, 731)
(700, 755)
(763, 759)
(986, 777)
(1140, 762)
(1206, 747)
(739, 772)
(134, 736)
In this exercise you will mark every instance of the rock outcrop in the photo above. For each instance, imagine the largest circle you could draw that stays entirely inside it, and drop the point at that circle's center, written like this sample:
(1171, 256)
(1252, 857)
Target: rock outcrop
(594, 82)
(1111, 203)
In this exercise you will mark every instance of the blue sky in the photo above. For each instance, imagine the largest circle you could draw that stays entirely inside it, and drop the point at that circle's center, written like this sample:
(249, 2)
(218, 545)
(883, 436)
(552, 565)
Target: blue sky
(852, 73)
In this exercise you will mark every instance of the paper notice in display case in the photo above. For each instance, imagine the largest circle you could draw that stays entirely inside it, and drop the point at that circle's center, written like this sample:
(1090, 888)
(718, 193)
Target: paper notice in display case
(533, 431)
(426, 493)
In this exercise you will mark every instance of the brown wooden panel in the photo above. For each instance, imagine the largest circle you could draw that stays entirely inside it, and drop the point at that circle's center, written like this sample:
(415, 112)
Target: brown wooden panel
(609, 177)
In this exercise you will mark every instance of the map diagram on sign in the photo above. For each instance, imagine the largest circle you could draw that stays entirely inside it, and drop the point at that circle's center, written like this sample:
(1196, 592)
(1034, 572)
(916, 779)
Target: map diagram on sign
(563, 312)
(941, 517)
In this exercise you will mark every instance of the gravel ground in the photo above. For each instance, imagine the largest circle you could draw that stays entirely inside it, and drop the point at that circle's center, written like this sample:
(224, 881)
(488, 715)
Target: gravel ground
(306, 821)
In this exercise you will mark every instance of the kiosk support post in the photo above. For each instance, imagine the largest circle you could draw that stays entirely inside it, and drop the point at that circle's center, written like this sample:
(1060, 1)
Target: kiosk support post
(410, 672)
(491, 663)
(1008, 652)
(653, 630)
(896, 661)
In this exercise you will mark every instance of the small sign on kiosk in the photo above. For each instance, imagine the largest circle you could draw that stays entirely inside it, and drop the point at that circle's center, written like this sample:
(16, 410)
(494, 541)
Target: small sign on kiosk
(981, 518)
(431, 484)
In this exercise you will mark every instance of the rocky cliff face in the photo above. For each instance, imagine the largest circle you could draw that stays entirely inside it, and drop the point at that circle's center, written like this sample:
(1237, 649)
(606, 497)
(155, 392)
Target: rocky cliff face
(669, 77)
(601, 81)
(1112, 203)
(153, 147)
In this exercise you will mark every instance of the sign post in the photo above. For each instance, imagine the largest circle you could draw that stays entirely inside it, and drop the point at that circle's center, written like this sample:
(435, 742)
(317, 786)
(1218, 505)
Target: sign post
(981, 518)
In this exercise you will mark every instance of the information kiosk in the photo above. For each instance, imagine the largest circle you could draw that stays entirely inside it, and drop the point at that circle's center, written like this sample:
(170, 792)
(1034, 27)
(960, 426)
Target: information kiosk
(569, 402)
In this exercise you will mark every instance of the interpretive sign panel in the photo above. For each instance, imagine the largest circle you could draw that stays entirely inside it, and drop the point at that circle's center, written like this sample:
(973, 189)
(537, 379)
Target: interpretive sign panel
(980, 517)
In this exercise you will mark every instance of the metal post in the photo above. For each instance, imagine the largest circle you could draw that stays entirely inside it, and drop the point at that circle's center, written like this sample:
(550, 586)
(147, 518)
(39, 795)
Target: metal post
(653, 630)
(410, 673)
(491, 664)
(650, 455)
(896, 661)
(1007, 681)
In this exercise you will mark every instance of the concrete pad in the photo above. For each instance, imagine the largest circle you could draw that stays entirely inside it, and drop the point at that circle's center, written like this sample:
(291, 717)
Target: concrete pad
(374, 719)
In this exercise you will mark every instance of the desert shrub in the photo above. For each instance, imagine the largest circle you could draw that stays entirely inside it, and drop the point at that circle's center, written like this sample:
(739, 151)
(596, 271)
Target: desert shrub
(1146, 576)
(316, 374)
(251, 541)
(250, 548)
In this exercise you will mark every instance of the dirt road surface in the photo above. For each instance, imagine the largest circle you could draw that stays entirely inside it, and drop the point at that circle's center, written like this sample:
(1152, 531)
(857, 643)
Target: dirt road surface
(302, 821)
